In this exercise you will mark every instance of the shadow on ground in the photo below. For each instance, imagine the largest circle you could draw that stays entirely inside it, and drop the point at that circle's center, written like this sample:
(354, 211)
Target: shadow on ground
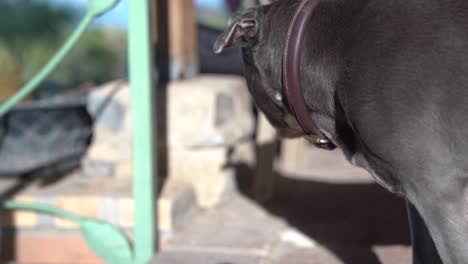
(348, 219)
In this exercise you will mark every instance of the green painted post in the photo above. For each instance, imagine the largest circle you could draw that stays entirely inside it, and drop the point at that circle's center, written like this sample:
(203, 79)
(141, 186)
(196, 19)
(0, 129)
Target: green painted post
(144, 134)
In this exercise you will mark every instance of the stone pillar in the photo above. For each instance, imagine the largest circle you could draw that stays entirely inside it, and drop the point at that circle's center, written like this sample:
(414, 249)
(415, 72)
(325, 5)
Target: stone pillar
(207, 117)
(266, 146)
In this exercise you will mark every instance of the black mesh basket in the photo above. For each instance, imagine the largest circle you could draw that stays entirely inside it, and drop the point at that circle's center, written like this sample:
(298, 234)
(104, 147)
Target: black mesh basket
(38, 136)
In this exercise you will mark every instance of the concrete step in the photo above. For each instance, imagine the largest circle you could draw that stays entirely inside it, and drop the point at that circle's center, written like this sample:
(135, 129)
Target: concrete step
(27, 237)
(176, 202)
(205, 257)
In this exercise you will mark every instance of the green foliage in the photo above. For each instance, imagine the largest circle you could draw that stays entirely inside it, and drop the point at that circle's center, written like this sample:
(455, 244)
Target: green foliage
(99, 56)
(99, 7)
(7, 62)
(212, 18)
(28, 20)
(32, 31)
(10, 74)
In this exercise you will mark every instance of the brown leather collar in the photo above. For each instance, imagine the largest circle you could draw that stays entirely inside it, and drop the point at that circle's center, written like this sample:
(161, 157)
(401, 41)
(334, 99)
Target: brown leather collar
(291, 74)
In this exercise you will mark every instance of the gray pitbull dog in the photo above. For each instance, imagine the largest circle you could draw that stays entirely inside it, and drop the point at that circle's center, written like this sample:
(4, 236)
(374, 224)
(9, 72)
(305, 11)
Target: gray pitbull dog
(387, 82)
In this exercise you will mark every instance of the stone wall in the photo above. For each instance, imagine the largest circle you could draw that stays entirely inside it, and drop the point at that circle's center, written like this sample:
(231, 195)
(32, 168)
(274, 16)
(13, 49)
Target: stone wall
(206, 117)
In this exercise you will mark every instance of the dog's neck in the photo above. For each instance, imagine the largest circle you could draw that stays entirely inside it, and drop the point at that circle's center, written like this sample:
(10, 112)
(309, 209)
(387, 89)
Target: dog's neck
(323, 56)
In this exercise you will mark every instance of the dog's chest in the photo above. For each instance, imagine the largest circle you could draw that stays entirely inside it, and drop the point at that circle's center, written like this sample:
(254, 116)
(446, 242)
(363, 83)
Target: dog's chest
(383, 177)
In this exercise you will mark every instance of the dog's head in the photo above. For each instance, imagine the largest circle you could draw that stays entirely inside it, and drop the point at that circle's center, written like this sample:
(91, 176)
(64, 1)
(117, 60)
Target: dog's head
(262, 43)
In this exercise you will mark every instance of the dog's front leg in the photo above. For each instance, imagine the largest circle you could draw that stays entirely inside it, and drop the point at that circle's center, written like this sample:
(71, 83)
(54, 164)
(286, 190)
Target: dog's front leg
(424, 250)
(440, 203)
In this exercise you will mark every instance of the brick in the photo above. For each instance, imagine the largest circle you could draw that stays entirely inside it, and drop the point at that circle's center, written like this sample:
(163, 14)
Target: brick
(24, 219)
(39, 247)
(176, 202)
(126, 213)
(80, 205)
(113, 127)
(244, 153)
(204, 170)
(17, 218)
(209, 110)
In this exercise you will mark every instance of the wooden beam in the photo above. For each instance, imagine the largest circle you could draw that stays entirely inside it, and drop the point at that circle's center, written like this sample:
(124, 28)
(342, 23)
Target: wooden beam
(183, 39)
(175, 36)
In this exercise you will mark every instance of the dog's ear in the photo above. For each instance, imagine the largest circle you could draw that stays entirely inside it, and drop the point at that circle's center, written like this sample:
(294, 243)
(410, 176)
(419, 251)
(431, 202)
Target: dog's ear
(242, 29)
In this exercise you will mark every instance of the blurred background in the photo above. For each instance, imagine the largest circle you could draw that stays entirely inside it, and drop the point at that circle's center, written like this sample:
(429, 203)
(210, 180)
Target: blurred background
(230, 190)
